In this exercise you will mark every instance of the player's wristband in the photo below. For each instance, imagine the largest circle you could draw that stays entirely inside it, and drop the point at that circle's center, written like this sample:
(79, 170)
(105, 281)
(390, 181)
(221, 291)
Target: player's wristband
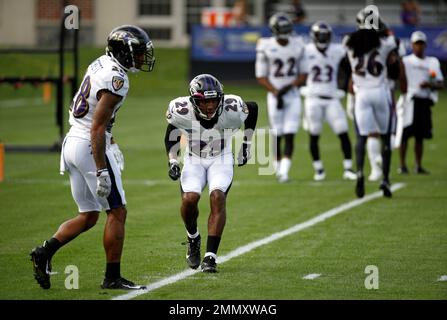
(98, 172)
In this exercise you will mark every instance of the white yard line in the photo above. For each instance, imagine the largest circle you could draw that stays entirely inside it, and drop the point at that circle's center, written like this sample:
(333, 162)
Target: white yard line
(258, 243)
(311, 276)
(21, 102)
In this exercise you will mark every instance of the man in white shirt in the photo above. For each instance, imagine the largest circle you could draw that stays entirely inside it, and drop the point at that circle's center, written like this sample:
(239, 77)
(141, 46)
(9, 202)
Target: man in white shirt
(424, 78)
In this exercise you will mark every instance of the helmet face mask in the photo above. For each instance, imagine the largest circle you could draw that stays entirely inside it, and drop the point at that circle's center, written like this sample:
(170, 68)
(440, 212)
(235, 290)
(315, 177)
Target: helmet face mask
(206, 95)
(321, 34)
(281, 26)
(132, 48)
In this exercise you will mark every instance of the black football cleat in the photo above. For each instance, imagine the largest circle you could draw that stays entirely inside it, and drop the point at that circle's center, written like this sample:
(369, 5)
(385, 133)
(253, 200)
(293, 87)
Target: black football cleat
(209, 265)
(403, 170)
(120, 283)
(41, 266)
(386, 188)
(193, 252)
(360, 186)
(420, 170)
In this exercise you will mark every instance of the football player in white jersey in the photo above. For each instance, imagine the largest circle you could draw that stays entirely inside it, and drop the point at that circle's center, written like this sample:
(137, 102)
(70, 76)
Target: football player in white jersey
(91, 161)
(394, 71)
(424, 79)
(369, 56)
(322, 60)
(278, 60)
(208, 119)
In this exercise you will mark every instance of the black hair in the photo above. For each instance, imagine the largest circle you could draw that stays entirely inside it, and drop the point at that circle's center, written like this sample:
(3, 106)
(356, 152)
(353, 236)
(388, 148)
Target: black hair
(363, 41)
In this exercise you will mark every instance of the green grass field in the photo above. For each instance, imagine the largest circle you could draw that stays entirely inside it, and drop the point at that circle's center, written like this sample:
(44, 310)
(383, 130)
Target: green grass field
(405, 237)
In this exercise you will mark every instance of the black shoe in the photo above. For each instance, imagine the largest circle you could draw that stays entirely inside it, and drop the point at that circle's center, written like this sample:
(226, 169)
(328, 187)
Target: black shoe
(120, 283)
(41, 266)
(403, 170)
(209, 265)
(360, 186)
(420, 170)
(386, 188)
(193, 253)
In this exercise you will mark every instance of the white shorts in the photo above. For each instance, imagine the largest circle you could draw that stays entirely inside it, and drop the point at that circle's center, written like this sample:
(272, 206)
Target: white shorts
(197, 172)
(286, 120)
(77, 159)
(317, 110)
(372, 110)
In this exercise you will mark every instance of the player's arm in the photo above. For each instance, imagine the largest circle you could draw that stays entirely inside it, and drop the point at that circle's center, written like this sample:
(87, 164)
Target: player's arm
(172, 142)
(101, 118)
(264, 82)
(172, 145)
(249, 129)
(344, 74)
(396, 70)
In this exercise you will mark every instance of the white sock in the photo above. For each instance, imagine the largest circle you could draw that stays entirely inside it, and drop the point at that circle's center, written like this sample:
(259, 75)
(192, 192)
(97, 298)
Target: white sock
(318, 165)
(211, 254)
(284, 166)
(347, 164)
(374, 154)
(193, 236)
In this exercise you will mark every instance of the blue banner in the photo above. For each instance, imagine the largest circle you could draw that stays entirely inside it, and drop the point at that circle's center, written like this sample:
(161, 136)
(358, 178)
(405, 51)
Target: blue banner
(239, 44)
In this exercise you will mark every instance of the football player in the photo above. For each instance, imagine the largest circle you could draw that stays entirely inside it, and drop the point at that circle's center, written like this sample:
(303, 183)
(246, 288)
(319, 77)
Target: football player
(208, 119)
(278, 61)
(322, 60)
(89, 156)
(394, 72)
(369, 56)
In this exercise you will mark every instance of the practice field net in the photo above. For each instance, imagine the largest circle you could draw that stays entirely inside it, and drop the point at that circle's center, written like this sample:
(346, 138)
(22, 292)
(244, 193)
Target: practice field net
(18, 103)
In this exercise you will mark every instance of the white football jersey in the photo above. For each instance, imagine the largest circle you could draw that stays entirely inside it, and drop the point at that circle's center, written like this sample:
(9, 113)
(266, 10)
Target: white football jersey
(370, 70)
(417, 71)
(280, 64)
(322, 69)
(102, 74)
(211, 142)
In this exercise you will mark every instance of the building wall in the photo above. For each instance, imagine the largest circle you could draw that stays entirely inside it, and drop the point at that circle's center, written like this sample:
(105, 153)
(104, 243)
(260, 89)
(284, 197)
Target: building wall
(17, 22)
(112, 13)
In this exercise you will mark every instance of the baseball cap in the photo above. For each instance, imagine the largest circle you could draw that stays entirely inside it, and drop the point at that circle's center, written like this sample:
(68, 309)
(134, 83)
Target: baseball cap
(418, 36)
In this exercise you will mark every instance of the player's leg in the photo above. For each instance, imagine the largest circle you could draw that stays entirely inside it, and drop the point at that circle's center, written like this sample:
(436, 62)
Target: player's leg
(374, 150)
(314, 113)
(114, 229)
(336, 117)
(365, 124)
(220, 178)
(275, 121)
(291, 122)
(418, 152)
(423, 130)
(406, 134)
(382, 113)
(88, 208)
(192, 182)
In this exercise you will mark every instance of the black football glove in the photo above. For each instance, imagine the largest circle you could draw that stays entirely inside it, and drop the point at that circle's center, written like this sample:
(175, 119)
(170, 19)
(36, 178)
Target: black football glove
(244, 154)
(174, 169)
(280, 95)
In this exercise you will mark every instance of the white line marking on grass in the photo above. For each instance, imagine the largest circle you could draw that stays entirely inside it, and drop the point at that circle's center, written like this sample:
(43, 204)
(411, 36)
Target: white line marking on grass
(255, 244)
(21, 102)
(443, 278)
(312, 276)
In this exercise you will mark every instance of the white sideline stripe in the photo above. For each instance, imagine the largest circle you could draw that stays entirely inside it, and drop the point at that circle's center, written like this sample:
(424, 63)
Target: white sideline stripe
(312, 276)
(255, 244)
(13, 103)
(167, 181)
